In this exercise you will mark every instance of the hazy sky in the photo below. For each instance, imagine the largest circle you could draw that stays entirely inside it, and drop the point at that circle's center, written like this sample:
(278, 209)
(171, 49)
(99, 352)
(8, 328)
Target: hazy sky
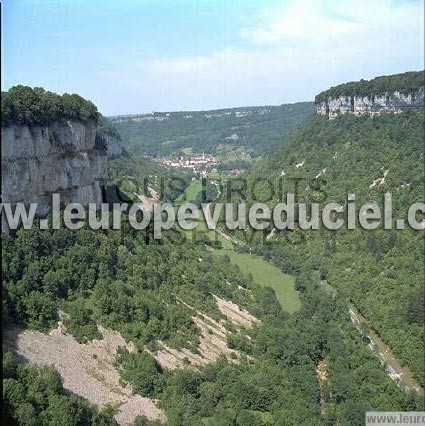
(132, 56)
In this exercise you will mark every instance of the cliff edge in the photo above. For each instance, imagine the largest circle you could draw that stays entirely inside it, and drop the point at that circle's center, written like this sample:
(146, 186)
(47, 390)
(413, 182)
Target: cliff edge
(395, 93)
(53, 144)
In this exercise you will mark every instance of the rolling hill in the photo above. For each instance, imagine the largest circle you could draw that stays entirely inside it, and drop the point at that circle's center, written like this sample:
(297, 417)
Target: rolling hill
(236, 134)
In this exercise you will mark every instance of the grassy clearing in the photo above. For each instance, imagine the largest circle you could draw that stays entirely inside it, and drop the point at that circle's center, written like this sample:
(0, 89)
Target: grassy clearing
(201, 230)
(266, 274)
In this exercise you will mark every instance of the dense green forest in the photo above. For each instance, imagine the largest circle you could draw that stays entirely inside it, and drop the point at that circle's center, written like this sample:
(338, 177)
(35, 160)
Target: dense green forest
(407, 82)
(124, 282)
(238, 133)
(381, 272)
(117, 279)
(36, 106)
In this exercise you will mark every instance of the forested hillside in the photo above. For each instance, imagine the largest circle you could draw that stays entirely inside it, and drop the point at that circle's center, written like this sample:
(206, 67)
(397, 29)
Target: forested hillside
(135, 175)
(380, 271)
(117, 280)
(239, 132)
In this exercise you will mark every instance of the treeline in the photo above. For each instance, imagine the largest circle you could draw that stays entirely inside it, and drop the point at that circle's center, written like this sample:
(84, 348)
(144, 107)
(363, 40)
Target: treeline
(36, 106)
(406, 83)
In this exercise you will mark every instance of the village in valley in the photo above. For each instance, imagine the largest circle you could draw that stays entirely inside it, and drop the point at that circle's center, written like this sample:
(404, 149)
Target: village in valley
(201, 165)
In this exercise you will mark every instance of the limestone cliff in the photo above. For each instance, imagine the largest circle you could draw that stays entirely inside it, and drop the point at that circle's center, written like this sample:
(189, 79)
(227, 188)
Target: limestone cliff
(108, 136)
(113, 146)
(63, 156)
(396, 93)
(371, 105)
(53, 144)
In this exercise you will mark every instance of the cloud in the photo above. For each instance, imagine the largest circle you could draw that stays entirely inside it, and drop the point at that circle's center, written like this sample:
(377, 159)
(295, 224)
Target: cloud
(299, 21)
(323, 20)
(291, 54)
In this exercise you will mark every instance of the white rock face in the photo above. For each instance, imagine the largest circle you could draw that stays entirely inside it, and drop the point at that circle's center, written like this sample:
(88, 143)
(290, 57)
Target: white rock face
(113, 145)
(63, 157)
(371, 105)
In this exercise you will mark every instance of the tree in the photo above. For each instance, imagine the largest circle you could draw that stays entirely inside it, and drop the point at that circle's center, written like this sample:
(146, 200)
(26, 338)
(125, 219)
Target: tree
(142, 371)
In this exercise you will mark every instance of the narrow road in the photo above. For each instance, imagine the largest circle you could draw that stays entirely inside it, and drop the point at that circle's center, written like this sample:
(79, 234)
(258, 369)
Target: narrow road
(401, 375)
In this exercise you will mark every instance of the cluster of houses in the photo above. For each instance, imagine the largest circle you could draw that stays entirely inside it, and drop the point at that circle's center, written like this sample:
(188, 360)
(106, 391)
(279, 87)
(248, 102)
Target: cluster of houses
(194, 162)
(200, 164)
(153, 116)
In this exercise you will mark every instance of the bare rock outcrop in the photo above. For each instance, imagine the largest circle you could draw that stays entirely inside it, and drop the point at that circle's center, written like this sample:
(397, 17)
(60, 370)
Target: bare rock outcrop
(63, 157)
(395, 93)
(395, 102)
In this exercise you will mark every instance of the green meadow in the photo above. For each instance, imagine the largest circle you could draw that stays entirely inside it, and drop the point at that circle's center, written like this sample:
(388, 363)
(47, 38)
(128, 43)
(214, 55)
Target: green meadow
(266, 274)
(263, 272)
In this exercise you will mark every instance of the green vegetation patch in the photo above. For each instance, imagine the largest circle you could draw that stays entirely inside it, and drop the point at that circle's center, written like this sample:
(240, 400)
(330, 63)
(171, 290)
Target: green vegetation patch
(34, 395)
(266, 274)
(36, 106)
